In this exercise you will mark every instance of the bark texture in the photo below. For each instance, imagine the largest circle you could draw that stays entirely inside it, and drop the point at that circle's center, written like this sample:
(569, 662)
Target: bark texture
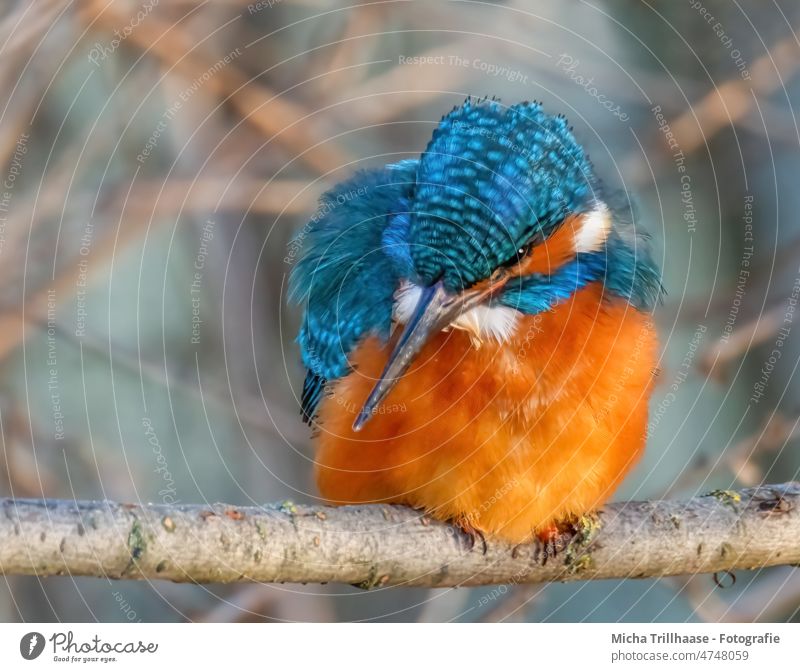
(381, 545)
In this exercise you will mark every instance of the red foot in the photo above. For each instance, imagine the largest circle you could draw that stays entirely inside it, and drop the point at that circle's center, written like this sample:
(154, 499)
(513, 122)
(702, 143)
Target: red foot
(552, 540)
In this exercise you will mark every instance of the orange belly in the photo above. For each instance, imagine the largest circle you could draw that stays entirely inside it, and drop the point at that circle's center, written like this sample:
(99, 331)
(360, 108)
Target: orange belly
(507, 439)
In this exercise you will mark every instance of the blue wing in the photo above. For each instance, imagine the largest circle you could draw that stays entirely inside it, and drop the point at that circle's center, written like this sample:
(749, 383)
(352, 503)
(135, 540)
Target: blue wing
(351, 256)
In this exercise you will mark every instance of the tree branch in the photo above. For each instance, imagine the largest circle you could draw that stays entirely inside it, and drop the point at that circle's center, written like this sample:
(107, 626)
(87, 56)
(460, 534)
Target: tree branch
(390, 545)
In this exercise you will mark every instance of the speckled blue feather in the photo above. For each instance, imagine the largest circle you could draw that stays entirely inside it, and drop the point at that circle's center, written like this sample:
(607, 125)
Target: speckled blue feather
(346, 276)
(490, 179)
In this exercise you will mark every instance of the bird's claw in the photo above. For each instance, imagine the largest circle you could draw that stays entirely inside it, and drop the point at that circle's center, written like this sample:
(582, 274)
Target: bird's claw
(553, 540)
(471, 534)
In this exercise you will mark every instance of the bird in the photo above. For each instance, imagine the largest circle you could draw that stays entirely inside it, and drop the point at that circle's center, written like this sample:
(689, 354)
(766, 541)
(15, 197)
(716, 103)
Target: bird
(477, 329)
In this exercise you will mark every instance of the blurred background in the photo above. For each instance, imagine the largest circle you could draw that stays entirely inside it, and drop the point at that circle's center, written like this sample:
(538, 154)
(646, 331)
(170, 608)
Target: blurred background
(158, 156)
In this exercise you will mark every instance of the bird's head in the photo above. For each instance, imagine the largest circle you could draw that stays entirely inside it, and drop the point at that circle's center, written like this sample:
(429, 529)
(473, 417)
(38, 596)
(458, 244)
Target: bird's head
(501, 216)
(500, 194)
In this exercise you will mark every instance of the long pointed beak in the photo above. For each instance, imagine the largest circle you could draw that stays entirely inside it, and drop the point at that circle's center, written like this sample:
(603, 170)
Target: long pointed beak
(436, 309)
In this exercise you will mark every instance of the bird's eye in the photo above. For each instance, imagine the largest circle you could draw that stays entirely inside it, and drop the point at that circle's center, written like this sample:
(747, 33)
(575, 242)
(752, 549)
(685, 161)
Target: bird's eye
(518, 256)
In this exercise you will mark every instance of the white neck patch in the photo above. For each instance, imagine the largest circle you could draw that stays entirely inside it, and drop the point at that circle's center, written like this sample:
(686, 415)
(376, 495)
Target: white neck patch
(481, 322)
(593, 229)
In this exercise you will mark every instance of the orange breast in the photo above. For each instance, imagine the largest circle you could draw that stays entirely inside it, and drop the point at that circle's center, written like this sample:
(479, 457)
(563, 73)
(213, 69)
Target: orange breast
(505, 438)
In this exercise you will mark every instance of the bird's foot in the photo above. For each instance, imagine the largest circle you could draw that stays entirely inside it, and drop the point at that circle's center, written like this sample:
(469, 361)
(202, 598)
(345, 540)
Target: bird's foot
(553, 539)
(571, 537)
(471, 534)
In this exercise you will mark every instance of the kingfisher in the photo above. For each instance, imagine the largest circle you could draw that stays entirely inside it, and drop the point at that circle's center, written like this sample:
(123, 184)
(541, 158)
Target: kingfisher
(477, 329)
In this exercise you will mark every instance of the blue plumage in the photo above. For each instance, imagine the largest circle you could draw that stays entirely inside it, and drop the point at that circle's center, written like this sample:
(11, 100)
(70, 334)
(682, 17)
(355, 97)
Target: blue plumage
(626, 270)
(492, 179)
(346, 275)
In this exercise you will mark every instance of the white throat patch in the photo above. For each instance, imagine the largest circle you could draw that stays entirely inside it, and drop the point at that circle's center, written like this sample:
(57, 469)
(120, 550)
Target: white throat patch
(481, 322)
